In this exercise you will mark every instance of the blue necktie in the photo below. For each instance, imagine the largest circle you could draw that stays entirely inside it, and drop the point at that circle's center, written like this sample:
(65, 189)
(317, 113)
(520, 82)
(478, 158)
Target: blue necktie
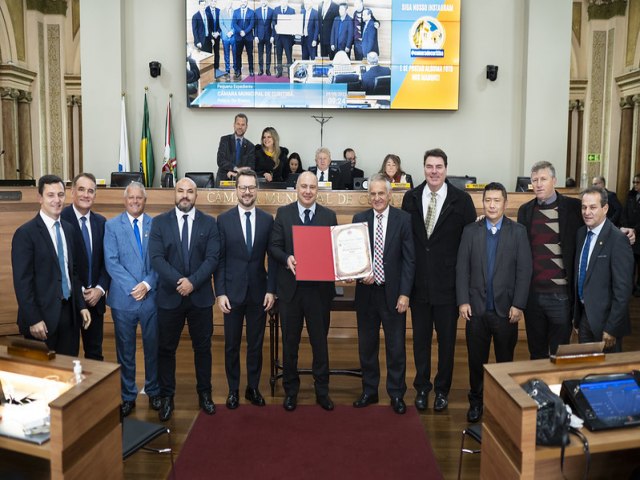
(238, 151)
(307, 216)
(87, 246)
(136, 233)
(248, 233)
(185, 243)
(583, 264)
(63, 270)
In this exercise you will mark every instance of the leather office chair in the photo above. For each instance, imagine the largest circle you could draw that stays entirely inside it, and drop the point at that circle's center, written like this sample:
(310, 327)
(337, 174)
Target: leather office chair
(382, 85)
(474, 431)
(136, 434)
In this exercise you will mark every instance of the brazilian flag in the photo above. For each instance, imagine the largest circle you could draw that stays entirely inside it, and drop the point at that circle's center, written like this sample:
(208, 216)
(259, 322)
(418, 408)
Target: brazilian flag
(146, 149)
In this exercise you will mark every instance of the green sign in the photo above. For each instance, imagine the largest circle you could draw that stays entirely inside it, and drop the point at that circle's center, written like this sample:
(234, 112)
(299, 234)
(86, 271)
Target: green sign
(593, 157)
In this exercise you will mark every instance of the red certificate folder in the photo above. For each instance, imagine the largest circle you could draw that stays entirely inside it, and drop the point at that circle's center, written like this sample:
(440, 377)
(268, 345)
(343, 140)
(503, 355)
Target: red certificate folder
(313, 252)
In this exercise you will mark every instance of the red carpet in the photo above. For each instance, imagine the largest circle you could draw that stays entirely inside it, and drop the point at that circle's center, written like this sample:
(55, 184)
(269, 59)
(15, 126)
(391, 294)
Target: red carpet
(270, 443)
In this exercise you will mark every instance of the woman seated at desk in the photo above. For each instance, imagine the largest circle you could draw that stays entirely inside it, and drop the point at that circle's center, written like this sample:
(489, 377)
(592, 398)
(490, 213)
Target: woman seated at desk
(270, 156)
(293, 165)
(391, 168)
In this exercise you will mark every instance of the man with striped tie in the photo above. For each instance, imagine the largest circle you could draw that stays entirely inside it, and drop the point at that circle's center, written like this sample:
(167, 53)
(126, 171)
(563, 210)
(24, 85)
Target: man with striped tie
(383, 297)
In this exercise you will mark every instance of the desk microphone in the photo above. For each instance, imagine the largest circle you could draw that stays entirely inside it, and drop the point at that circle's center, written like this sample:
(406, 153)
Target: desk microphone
(21, 173)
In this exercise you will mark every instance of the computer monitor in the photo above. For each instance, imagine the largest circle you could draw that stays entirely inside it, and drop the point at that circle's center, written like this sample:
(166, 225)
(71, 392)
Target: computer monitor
(461, 181)
(202, 179)
(28, 182)
(523, 184)
(122, 179)
(292, 179)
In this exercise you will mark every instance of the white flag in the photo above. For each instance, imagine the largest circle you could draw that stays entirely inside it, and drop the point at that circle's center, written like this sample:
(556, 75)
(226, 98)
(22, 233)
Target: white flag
(123, 162)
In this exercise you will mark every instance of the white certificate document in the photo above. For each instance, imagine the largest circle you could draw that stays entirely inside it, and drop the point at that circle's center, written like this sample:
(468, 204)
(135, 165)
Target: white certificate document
(289, 24)
(351, 251)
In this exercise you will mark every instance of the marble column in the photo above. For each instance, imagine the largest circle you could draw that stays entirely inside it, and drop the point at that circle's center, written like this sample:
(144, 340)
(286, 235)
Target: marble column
(70, 143)
(572, 106)
(624, 147)
(8, 97)
(579, 140)
(25, 157)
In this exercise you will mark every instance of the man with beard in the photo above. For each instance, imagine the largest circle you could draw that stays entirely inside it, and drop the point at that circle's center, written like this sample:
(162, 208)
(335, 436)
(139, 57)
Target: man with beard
(184, 246)
(234, 151)
(244, 288)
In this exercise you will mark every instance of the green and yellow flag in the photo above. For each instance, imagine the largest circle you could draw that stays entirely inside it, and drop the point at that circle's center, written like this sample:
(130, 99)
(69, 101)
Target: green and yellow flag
(146, 149)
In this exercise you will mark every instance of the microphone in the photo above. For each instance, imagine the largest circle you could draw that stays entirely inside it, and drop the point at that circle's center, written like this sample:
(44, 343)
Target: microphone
(20, 172)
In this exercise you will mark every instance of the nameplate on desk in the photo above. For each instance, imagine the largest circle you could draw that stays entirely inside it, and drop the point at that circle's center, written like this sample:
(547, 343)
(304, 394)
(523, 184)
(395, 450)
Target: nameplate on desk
(475, 186)
(12, 196)
(325, 185)
(227, 184)
(400, 186)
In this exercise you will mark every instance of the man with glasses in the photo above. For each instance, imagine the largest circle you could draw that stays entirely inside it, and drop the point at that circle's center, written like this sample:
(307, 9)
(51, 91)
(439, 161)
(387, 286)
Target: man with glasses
(245, 289)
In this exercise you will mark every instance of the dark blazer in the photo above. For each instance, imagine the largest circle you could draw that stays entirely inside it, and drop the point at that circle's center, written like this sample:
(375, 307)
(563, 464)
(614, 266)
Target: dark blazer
(512, 270)
(608, 282)
(227, 155)
(313, 30)
(335, 177)
(276, 13)
(435, 280)
(281, 247)
(631, 217)
(165, 250)
(615, 208)
(200, 34)
(238, 276)
(214, 18)
(370, 38)
(326, 22)
(37, 279)
(262, 27)
(398, 258)
(570, 220)
(99, 274)
(247, 25)
(265, 164)
(369, 77)
(342, 39)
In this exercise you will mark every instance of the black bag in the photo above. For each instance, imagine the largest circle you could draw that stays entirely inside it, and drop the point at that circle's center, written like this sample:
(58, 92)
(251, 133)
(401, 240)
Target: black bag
(552, 420)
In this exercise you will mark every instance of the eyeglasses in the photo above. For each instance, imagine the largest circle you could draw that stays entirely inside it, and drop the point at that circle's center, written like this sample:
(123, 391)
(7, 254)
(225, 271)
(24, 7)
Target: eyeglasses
(251, 188)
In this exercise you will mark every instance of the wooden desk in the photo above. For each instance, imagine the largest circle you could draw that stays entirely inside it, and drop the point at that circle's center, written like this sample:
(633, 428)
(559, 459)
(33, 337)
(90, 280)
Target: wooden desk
(509, 448)
(86, 437)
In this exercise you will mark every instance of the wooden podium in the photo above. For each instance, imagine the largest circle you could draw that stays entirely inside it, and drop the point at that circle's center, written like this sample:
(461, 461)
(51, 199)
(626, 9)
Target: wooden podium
(509, 448)
(86, 434)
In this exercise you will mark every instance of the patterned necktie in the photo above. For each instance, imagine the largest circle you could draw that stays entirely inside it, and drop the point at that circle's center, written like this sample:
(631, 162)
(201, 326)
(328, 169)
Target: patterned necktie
(584, 260)
(430, 221)
(136, 233)
(63, 271)
(378, 250)
(248, 232)
(87, 246)
(307, 216)
(185, 243)
(238, 151)
(322, 176)
(494, 229)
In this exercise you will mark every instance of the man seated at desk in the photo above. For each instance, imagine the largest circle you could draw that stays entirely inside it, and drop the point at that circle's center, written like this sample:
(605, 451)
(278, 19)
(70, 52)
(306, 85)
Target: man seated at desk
(369, 77)
(326, 173)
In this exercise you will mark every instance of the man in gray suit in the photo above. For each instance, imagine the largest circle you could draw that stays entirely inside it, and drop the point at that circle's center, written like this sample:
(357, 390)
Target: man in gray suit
(492, 285)
(604, 275)
(132, 296)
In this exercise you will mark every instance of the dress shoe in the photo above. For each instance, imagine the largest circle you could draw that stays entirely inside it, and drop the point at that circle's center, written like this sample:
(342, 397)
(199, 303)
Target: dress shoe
(365, 400)
(251, 74)
(154, 402)
(166, 409)
(398, 405)
(290, 402)
(206, 404)
(233, 400)
(278, 75)
(237, 75)
(325, 402)
(127, 407)
(474, 413)
(268, 73)
(422, 398)
(441, 402)
(260, 73)
(254, 396)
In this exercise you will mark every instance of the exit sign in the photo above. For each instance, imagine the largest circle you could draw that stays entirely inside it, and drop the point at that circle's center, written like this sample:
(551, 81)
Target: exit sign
(593, 157)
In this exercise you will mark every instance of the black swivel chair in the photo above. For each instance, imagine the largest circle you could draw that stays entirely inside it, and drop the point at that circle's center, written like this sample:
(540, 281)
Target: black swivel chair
(202, 179)
(351, 79)
(474, 431)
(122, 179)
(166, 181)
(382, 85)
(136, 434)
(460, 181)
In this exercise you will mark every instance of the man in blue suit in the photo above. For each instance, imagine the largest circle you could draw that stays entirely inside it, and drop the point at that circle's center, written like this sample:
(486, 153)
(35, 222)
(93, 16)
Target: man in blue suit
(282, 42)
(88, 234)
(369, 40)
(264, 18)
(375, 71)
(243, 287)
(132, 296)
(201, 27)
(310, 31)
(184, 245)
(243, 21)
(213, 14)
(342, 31)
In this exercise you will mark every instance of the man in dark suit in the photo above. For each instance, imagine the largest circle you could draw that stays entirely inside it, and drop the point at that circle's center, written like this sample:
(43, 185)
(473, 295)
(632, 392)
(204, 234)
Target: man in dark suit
(234, 151)
(184, 245)
(300, 301)
(342, 31)
(310, 31)
(439, 213)
(374, 71)
(369, 41)
(213, 13)
(201, 25)
(243, 21)
(349, 155)
(263, 34)
(88, 235)
(492, 285)
(327, 14)
(325, 172)
(615, 207)
(282, 42)
(48, 290)
(243, 286)
(604, 278)
(383, 297)
(132, 296)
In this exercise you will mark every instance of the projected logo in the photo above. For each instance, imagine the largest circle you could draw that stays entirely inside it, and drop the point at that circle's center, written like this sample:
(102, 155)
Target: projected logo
(427, 37)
